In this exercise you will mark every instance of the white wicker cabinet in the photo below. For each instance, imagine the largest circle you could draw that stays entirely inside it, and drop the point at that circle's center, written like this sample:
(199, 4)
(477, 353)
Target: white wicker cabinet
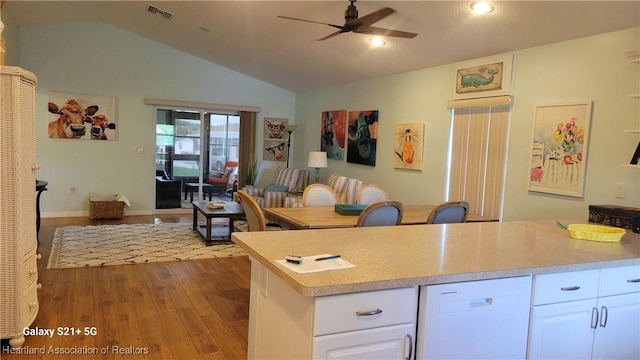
(18, 242)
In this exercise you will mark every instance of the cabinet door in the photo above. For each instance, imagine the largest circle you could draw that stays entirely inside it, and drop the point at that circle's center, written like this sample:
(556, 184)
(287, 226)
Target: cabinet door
(563, 330)
(389, 342)
(618, 332)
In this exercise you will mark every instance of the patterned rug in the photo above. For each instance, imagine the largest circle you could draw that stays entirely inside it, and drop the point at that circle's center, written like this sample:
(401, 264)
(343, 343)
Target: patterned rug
(86, 246)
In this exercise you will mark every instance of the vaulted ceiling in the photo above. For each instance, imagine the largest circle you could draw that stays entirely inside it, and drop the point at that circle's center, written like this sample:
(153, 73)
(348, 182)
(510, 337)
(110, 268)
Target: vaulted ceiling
(250, 38)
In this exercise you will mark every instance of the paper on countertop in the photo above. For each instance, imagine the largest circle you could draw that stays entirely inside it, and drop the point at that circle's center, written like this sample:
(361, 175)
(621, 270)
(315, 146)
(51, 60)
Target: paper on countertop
(310, 265)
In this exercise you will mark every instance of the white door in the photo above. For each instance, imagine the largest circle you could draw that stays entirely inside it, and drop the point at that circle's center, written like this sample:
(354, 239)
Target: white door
(389, 342)
(563, 330)
(618, 332)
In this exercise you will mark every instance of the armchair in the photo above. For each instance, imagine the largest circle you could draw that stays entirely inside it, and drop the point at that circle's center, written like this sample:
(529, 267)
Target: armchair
(223, 181)
(286, 182)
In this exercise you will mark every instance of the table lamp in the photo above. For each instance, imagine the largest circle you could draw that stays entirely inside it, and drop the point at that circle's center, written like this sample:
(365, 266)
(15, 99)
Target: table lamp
(289, 129)
(317, 160)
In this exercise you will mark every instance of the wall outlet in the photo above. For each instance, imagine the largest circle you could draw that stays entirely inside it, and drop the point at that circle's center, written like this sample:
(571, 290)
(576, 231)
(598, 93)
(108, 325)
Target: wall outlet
(71, 189)
(620, 190)
(138, 150)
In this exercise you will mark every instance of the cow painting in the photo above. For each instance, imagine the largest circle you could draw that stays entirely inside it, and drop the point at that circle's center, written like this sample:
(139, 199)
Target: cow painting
(75, 116)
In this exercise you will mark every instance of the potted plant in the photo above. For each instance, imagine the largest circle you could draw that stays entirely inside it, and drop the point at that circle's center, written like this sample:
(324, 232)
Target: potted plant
(252, 172)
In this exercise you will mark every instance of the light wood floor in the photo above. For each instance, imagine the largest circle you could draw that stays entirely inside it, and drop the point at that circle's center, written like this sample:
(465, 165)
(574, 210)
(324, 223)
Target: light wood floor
(176, 310)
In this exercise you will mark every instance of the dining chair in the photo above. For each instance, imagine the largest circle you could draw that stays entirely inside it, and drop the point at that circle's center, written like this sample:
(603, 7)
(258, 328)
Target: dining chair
(381, 213)
(369, 193)
(319, 195)
(449, 212)
(256, 220)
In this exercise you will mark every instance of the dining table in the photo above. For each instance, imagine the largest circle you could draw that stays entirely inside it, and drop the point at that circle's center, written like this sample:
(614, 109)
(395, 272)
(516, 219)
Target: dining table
(325, 217)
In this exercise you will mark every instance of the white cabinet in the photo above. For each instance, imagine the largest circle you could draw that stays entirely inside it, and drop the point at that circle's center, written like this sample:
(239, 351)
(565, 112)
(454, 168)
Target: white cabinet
(366, 325)
(18, 244)
(470, 320)
(586, 314)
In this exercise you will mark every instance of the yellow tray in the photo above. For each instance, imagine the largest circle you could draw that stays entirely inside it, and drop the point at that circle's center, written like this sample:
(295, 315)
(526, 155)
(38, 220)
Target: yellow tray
(595, 232)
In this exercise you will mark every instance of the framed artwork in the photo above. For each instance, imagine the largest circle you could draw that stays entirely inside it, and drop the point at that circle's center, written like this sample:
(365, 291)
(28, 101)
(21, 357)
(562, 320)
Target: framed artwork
(79, 116)
(559, 148)
(408, 145)
(334, 127)
(490, 76)
(362, 137)
(275, 150)
(274, 128)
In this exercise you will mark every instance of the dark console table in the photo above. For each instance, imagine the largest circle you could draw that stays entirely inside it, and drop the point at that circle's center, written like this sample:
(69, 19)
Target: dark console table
(40, 187)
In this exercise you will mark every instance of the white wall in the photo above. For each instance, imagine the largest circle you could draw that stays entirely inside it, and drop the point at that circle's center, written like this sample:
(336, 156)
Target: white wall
(99, 59)
(592, 68)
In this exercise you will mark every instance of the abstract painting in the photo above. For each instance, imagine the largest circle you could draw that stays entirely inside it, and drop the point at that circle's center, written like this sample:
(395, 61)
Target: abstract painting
(334, 125)
(362, 137)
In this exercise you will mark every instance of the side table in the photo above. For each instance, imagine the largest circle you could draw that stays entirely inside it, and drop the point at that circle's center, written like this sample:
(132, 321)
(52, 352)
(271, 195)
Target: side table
(40, 187)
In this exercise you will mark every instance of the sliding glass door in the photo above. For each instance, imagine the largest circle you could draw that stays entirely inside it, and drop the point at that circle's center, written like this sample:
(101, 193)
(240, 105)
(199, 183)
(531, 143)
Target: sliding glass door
(191, 145)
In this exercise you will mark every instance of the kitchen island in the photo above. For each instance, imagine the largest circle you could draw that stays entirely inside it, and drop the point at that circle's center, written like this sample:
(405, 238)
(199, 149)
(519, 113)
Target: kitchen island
(400, 258)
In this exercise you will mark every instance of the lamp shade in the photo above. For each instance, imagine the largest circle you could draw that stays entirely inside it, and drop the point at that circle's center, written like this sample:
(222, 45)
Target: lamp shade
(289, 127)
(317, 159)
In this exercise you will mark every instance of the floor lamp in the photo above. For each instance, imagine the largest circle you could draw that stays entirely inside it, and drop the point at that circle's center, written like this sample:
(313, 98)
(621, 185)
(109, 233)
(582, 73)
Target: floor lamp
(317, 160)
(289, 129)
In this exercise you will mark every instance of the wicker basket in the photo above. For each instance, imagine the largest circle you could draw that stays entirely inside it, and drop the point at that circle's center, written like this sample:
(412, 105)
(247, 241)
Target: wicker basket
(105, 207)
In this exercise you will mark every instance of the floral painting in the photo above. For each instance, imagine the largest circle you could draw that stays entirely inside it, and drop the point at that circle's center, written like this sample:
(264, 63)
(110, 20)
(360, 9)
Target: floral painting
(334, 125)
(559, 148)
(362, 137)
(407, 148)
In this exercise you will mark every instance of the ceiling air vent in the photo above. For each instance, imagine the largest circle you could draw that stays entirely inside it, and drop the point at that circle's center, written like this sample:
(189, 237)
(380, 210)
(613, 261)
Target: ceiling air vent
(154, 10)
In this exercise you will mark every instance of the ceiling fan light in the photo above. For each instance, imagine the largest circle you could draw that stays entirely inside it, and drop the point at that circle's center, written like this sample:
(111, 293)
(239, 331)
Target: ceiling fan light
(481, 7)
(376, 41)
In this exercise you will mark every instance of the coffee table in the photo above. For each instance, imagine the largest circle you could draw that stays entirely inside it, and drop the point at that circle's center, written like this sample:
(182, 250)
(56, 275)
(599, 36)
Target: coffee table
(231, 210)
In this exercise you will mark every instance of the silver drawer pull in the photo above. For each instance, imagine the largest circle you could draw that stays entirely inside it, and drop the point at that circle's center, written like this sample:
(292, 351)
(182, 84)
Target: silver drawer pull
(634, 280)
(369, 313)
(570, 288)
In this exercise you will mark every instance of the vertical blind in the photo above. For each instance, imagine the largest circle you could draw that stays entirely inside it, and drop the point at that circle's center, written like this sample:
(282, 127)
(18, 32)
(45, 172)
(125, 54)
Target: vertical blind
(478, 155)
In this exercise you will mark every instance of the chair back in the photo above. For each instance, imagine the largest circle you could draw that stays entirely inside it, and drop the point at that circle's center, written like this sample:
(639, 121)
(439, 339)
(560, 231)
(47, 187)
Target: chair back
(369, 193)
(256, 220)
(381, 213)
(449, 212)
(319, 195)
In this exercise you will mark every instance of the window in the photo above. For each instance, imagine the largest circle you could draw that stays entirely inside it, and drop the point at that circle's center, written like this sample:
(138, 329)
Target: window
(478, 154)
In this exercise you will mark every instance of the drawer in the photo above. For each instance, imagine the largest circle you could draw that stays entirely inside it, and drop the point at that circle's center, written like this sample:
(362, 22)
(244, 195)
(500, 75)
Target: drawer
(365, 310)
(619, 280)
(568, 286)
(29, 271)
(30, 305)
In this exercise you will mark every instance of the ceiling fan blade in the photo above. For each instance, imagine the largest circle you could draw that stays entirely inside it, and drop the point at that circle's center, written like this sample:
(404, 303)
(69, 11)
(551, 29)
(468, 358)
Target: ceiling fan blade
(370, 19)
(385, 32)
(331, 35)
(310, 21)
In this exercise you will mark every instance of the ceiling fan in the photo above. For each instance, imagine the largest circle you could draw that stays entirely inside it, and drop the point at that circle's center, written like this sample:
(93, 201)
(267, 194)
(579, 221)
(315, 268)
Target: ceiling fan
(361, 25)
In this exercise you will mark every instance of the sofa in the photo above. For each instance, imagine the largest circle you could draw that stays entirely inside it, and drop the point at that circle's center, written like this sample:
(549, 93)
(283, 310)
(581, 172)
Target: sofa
(287, 182)
(346, 189)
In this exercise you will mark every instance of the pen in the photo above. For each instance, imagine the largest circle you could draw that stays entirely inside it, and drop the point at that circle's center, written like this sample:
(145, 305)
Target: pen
(328, 257)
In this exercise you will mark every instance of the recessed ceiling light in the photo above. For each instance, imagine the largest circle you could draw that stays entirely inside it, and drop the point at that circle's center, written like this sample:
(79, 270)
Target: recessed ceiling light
(481, 7)
(377, 41)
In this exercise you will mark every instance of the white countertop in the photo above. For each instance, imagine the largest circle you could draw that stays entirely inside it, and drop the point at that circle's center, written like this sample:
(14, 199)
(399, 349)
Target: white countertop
(413, 255)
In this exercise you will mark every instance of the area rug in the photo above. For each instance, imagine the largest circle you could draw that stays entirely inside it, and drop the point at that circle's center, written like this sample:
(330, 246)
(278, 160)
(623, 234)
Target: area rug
(104, 245)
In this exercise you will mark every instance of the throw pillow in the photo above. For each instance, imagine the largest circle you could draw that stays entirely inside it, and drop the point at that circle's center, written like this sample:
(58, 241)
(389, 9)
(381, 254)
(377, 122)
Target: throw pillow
(286, 177)
(276, 188)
